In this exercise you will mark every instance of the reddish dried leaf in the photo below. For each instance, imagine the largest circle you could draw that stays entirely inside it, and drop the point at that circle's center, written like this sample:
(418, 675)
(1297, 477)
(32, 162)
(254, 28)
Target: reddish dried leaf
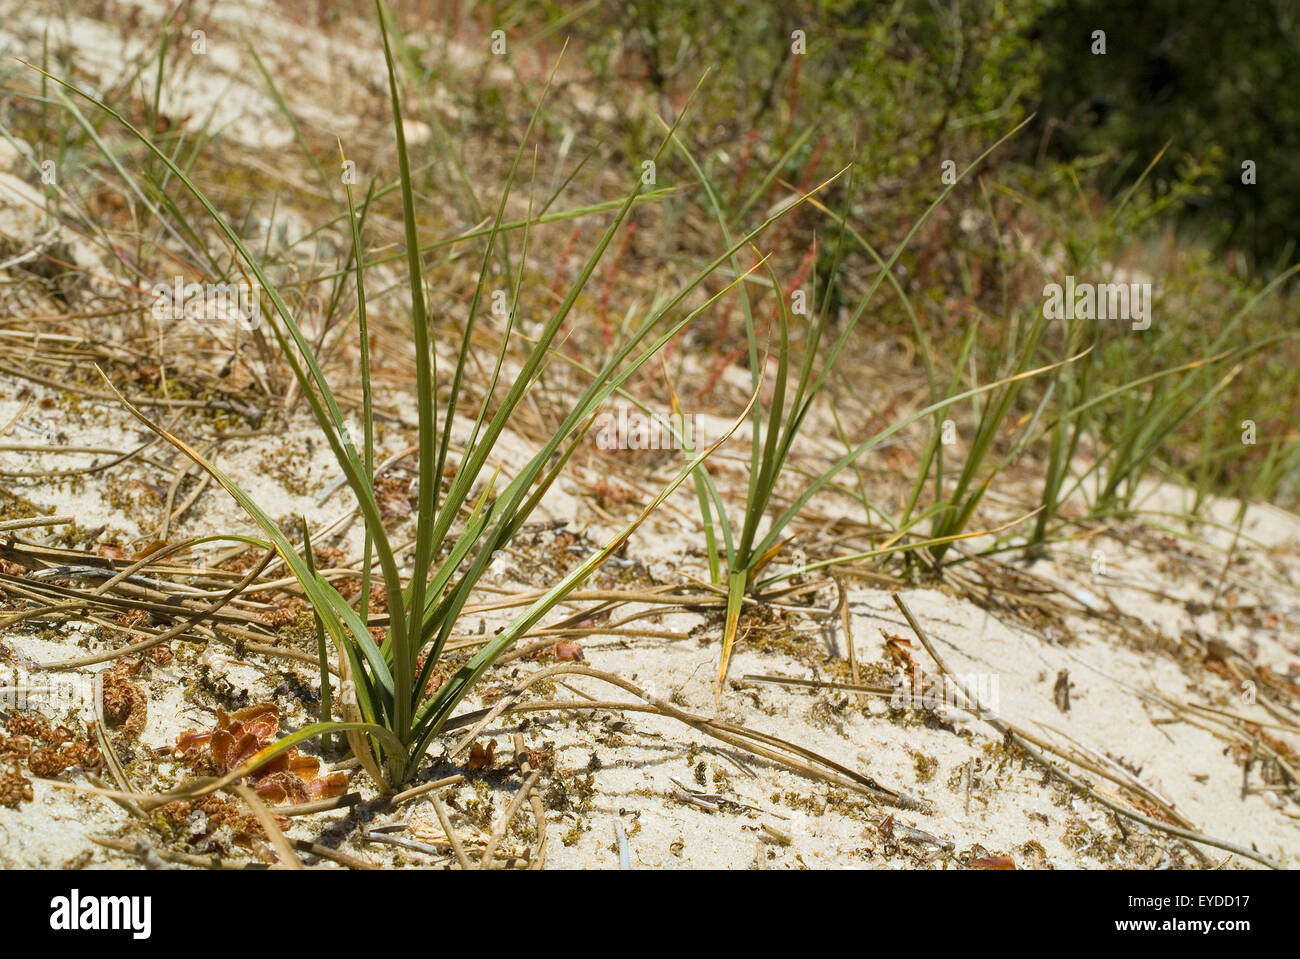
(304, 767)
(327, 787)
(287, 777)
(993, 862)
(568, 652)
(271, 791)
(262, 713)
(245, 749)
(898, 649)
(150, 548)
(481, 757)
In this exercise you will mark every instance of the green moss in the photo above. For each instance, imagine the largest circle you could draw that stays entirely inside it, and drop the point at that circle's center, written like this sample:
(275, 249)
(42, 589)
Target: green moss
(925, 766)
(574, 835)
(16, 506)
(289, 464)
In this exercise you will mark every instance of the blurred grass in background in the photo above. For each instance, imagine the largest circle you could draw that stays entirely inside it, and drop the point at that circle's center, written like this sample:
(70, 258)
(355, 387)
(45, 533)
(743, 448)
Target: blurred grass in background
(900, 87)
(1130, 170)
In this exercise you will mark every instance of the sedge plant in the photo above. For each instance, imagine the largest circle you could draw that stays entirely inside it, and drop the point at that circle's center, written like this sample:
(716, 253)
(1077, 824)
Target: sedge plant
(389, 717)
(1137, 388)
(775, 425)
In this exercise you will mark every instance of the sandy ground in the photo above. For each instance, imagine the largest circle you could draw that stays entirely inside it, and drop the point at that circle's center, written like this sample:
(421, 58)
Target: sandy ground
(1130, 664)
(1156, 657)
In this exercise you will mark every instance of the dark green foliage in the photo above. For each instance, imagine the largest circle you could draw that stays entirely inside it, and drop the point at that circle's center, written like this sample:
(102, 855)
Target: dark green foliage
(1217, 79)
